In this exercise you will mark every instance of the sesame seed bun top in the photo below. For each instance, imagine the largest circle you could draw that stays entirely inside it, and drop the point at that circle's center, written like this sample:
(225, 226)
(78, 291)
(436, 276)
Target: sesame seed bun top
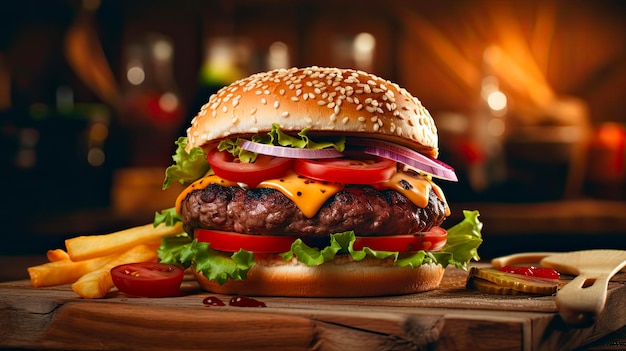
(325, 100)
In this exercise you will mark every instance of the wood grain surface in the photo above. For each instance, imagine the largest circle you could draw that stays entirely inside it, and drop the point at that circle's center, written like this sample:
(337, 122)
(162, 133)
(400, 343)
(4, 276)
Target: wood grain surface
(449, 318)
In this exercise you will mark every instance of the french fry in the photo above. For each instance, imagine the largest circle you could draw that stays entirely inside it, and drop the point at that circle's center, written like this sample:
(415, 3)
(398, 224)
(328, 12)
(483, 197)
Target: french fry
(86, 247)
(63, 271)
(57, 255)
(97, 283)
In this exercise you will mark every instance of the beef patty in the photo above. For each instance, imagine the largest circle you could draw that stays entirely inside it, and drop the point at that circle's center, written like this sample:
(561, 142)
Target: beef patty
(262, 211)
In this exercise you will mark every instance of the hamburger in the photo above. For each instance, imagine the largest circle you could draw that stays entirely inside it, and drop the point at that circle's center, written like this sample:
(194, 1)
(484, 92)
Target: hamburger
(314, 182)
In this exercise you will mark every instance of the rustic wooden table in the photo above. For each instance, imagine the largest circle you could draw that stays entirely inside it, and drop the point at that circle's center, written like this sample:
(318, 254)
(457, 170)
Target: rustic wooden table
(449, 318)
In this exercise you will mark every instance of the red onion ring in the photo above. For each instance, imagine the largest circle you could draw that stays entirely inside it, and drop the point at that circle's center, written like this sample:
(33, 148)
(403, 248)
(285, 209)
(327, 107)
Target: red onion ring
(289, 152)
(406, 156)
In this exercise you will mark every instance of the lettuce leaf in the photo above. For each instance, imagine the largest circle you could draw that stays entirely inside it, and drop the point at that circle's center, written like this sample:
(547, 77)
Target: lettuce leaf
(461, 247)
(187, 167)
(183, 251)
(167, 216)
(463, 241)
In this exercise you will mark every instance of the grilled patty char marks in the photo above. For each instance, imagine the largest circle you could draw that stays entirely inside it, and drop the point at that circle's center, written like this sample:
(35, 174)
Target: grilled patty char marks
(262, 211)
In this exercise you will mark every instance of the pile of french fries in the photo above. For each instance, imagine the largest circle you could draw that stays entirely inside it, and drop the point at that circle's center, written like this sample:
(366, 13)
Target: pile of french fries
(88, 260)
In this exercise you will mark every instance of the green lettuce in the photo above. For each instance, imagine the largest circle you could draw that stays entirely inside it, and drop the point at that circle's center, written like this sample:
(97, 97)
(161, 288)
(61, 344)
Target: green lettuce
(167, 216)
(187, 167)
(461, 247)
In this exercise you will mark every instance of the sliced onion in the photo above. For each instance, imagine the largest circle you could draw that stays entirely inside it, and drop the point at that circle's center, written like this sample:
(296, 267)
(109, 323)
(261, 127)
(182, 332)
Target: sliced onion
(406, 156)
(289, 152)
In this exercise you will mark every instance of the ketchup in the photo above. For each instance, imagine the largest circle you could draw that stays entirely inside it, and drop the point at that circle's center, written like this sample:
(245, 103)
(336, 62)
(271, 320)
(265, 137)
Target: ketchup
(237, 301)
(538, 272)
(242, 301)
(212, 301)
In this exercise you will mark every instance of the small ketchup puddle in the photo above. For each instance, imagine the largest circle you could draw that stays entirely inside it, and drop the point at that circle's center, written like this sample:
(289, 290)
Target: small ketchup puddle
(236, 301)
(242, 301)
(212, 301)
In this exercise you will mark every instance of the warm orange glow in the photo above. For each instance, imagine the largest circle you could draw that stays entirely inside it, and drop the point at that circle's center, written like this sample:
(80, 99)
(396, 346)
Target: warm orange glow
(612, 136)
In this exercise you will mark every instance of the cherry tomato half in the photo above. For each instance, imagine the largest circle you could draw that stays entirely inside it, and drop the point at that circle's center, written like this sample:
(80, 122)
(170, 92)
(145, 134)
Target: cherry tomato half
(347, 170)
(232, 242)
(265, 167)
(148, 279)
(432, 240)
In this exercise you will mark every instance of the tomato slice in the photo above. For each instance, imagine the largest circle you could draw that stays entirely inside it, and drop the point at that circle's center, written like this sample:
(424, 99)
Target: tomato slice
(354, 170)
(265, 167)
(232, 242)
(432, 240)
(148, 279)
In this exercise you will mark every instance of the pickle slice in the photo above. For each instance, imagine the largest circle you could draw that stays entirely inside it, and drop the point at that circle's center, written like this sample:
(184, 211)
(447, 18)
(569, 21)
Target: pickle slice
(487, 287)
(517, 282)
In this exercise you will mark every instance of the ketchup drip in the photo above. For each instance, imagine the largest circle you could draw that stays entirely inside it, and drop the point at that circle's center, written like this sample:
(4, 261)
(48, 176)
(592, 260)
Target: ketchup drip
(242, 301)
(236, 301)
(212, 301)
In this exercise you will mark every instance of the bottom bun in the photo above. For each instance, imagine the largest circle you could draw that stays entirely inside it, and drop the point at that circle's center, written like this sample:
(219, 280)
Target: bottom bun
(368, 277)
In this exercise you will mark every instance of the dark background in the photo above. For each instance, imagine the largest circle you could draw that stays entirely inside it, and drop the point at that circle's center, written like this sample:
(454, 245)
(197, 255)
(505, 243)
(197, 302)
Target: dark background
(561, 157)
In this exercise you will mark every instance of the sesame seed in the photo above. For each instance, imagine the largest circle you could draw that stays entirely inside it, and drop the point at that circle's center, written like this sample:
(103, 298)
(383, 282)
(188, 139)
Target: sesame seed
(295, 98)
(264, 101)
(370, 109)
(345, 120)
(333, 117)
(224, 109)
(276, 104)
(359, 107)
(281, 91)
(362, 119)
(253, 110)
(298, 92)
(321, 102)
(376, 127)
(285, 114)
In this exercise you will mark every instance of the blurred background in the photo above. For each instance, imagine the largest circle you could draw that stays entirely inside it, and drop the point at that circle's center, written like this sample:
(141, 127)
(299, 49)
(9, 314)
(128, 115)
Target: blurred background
(529, 98)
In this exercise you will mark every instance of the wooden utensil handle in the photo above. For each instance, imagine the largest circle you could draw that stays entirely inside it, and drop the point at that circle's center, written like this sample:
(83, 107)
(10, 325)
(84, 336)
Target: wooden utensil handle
(580, 301)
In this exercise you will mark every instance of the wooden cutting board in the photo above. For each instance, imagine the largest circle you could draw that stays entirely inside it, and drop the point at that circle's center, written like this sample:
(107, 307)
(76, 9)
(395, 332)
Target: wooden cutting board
(449, 318)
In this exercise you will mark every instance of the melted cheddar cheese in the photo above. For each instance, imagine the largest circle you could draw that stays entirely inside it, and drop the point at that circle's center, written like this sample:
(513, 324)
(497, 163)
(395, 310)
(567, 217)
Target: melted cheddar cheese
(308, 194)
(415, 187)
(202, 183)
